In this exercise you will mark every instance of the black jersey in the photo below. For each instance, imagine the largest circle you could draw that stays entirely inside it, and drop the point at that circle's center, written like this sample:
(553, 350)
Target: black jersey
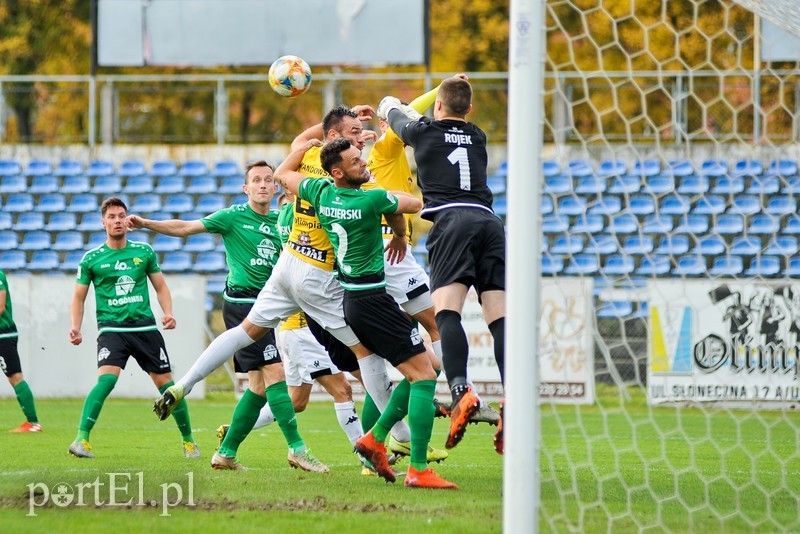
(451, 162)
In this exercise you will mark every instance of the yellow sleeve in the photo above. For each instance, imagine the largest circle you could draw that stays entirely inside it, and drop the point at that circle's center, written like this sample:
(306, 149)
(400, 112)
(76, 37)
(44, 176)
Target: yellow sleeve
(423, 102)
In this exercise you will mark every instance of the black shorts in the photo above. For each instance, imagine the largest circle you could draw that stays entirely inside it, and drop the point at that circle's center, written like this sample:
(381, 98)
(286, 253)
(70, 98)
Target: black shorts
(147, 348)
(262, 352)
(381, 325)
(341, 355)
(468, 246)
(9, 357)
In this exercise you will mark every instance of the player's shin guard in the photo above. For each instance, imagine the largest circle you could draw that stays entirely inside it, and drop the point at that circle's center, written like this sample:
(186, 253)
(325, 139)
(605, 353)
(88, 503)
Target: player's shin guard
(217, 353)
(94, 403)
(395, 410)
(25, 400)
(281, 404)
(376, 380)
(420, 418)
(348, 419)
(498, 330)
(455, 347)
(244, 417)
(181, 415)
(369, 413)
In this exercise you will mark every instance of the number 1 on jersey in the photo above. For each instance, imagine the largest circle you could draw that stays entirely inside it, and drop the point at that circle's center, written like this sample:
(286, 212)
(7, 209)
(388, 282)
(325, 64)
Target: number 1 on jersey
(459, 156)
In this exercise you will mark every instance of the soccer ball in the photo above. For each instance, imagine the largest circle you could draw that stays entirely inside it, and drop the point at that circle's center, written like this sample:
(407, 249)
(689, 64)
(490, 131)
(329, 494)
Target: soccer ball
(290, 76)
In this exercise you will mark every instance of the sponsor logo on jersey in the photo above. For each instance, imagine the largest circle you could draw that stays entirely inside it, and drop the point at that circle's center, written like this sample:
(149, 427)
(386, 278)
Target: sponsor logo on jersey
(416, 339)
(310, 224)
(123, 287)
(270, 352)
(105, 265)
(121, 266)
(308, 251)
(337, 201)
(266, 249)
(264, 229)
(340, 213)
(102, 354)
(412, 282)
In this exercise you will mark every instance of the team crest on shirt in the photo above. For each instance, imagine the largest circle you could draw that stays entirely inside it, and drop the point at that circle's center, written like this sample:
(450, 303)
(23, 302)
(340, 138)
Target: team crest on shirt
(102, 354)
(137, 261)
(266, 249)
(304, 238)
(270, 352)
(124, 285)
(416, 339)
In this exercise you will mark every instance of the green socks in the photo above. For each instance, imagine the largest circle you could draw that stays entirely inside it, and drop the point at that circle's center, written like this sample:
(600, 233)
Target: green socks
(420, 420)
(395, 410)
(181, 415)
(25, 400)
(94, 403)
(244, 417)
(281, 404)
(369, 413)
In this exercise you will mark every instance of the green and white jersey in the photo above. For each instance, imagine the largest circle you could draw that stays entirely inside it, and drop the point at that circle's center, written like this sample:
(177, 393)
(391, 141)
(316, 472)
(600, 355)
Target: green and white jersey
(252, 246)
(352, 220)
(120, 286)
(285, 220)
(7, 326)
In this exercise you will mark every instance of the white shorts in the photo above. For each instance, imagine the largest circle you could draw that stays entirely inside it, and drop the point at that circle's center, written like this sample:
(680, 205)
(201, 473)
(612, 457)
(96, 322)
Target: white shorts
(302, 356)
(296, 286)
(408, 283)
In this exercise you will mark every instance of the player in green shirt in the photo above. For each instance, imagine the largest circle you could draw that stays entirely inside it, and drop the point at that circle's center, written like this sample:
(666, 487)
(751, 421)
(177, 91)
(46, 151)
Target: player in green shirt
(252, 247)
(351, 218)
(9, 361)
(119, 270)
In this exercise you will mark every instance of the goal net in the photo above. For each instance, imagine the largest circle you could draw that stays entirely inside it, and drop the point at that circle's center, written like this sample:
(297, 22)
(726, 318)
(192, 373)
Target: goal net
(669, 204)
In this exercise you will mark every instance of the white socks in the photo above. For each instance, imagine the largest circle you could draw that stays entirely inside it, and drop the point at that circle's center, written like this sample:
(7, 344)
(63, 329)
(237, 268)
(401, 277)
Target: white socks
(375, 380)
(217, 353)
(265, 417)
(348, 420)
(437, 350)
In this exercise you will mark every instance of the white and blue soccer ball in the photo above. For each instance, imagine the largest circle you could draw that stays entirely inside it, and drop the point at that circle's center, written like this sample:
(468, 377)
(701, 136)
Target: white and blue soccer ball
(290, 76)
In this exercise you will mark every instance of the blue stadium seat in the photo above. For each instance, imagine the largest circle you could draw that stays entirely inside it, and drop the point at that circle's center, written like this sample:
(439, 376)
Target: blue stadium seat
(200, 243)
(164, 168)
(568, 244)
(199, 185)
(611, 167)
(38, 240)
(678, 168)
(623, 224)
(674, 245)
(211, 203)
(107, 185)
(160, 216)
(546, 204)
(179, 203)
(606, 205)
(43, 260)
(215, 285)
(675, 205)
(550, 168)
(41, 185)
(655, 224)
(496, 184)
(210, 262)
(690, 266)
(646, 168)
(138, 185)
(601, 244)
(765, 266)
(96, 239)
(791, 225)
(693, 185)
(587, 224)
(176, 262)
(729, 225)
(792, 186)
(132, 167)
(784, 245)
(591, 185)
(625, 185)
(579, 168)
(90, 222)
(553, 185)
(714, 168)
(142, 236)
(499, 205)
(13, 184)
(659, 185)
(781, 205)
(39, 167)
(618, 265)
(61, 222)
(745, 205)
(615, 309)
(83, 203)
(793, 267)
(783, 167)
(709, 205)
(146, 204)
(571, 205)
(763, 224)
(167, 243)
(636, 244)
(764, 185)
(728, 185)
(654, 266)
(745, 246)
(170, 185)
(10, 167)
(6, 221)
(191, 215)
(70, 240)
(692, 224)
(100, 167)
(727, 266)
(8, 240)
(27, 222)
(193, 167)
(710, 245)
(641, 205)
(552, 265)
(75, 184)
(582, 264)
(68, 167)
(71, 261)
(749, 167)
(555, 224)
(19, 202)
(52, 203)
(232, 185)
(12, 260)
(226, 168)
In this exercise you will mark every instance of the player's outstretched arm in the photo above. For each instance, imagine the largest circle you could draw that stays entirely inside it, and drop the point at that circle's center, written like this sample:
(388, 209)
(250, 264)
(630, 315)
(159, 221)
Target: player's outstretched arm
(76, 313)
(174, 227)
(286, 174)
(164, 299)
